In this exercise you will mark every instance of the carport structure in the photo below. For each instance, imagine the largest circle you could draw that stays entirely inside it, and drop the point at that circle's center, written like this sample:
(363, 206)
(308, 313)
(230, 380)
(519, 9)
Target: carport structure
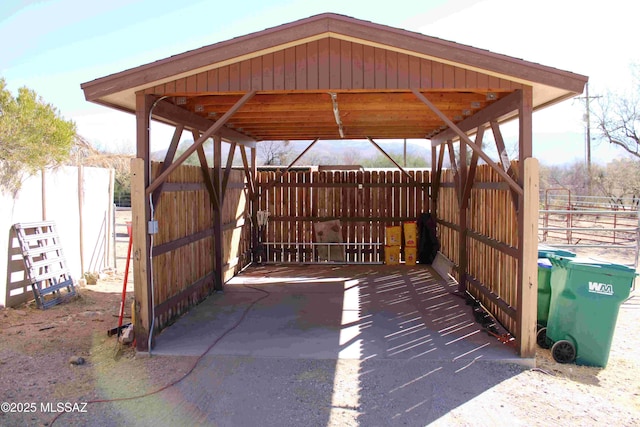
(330, 77)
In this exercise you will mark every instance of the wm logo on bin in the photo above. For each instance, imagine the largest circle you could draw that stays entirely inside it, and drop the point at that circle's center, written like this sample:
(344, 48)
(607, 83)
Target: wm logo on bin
(600, 288)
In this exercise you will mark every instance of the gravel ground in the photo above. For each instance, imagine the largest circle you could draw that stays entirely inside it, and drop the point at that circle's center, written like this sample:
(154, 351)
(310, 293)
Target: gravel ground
(230, 391)
(223, 390)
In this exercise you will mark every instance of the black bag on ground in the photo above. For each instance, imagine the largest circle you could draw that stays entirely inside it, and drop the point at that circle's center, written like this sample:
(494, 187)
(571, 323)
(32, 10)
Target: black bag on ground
(428, 244)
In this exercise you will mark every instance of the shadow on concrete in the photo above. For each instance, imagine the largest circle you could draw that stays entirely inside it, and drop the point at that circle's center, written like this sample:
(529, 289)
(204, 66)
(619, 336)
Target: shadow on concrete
(334, 345)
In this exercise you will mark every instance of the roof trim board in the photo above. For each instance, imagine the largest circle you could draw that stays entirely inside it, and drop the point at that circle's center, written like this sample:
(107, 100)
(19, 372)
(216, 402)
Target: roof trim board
(300, 61)
(336, 26)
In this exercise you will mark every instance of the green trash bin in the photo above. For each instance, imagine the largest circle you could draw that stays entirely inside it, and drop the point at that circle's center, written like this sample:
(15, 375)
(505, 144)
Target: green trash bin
(544, 289)
(545, 251)
(585, 298)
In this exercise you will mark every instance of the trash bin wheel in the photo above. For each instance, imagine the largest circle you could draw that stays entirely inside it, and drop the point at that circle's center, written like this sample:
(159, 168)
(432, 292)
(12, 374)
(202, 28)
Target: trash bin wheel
(541, 338)
(563, 351)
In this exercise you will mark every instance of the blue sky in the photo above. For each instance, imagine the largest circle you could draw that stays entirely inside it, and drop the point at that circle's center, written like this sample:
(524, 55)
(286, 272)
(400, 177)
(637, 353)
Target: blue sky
(53, 46)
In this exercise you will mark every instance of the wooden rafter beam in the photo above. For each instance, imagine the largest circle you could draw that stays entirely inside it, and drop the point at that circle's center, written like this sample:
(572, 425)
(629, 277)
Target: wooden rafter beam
(280, 173)
(206, 175)
(495, 111)
(227, 170)
(167, 112)
(247, 173)
(504, 157)
(384, 153)
(381, 119)
(470, 143)
(354, 98)
(454, 166)
(466, 195)
(206, 135)
(437, 176)
(168, 158)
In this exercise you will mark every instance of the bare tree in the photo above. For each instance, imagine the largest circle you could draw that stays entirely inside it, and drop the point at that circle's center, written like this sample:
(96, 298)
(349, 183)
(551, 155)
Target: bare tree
(619, 179)
(351, 156)
(618, 117)
(571, 177)
(274, 153)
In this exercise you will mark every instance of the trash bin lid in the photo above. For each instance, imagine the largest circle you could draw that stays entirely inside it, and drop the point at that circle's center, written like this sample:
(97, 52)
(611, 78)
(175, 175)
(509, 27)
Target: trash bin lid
(585, 263)
(544, 263)
(604, 264)
(545, 251)
(560, 261)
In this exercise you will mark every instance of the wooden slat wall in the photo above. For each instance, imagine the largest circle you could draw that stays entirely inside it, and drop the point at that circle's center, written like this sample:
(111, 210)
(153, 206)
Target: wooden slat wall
(491, 243)
(236, 226)
(331, 64)
(183, 246)
(449, 219)
(365, 202)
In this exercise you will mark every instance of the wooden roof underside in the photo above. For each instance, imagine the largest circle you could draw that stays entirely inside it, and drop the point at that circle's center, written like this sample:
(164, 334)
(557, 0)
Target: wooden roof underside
(305, 71)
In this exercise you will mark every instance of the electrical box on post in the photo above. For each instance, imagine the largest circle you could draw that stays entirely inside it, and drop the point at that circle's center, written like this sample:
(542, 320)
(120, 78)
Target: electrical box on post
(152, 227)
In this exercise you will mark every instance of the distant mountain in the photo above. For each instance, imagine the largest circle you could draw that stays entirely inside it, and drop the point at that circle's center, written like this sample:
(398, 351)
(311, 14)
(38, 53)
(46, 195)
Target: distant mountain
(323, 152)
(550, 148)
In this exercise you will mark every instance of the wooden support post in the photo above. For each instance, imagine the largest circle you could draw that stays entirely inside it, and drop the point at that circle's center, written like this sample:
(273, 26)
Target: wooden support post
(140, 215)
(254, 176)
(436, 182)
(527, 265)
(254, 163)
(462, 235)
(139, 219)
(473, 165)
(527, 281)
(432, 196)
(227, 169)
(255, 200)
(218, 266)
(456, 173)
(525, 113)
(248, 173)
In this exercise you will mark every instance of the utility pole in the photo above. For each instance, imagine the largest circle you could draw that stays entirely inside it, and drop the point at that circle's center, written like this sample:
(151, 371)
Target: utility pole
(588, 135)
(587, 119)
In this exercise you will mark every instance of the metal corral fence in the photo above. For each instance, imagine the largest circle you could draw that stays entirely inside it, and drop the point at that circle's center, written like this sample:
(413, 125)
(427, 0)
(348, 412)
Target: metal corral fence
(609, 227)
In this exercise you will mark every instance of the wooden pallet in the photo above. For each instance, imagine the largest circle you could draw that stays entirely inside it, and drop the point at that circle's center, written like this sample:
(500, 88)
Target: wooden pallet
(45, 263)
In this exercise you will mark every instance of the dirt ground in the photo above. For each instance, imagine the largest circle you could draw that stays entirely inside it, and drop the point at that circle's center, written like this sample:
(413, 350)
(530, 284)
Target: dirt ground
(38, 380)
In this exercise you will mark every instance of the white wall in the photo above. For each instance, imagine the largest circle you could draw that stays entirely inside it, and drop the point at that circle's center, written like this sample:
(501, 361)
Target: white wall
(61, 199)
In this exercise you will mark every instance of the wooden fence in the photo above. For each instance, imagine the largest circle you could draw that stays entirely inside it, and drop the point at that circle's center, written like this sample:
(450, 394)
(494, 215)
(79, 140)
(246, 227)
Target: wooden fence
(364, 201)
(492, 240)
(183, 249)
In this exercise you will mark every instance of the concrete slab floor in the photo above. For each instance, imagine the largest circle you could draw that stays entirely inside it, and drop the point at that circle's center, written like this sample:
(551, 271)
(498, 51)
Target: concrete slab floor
(335, 312)
(328, 346)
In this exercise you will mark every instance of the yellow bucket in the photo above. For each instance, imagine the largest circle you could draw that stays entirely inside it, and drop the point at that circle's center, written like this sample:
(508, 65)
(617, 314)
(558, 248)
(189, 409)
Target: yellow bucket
(392, 254)
(410, 233)
(410, 255)
(393, 235)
